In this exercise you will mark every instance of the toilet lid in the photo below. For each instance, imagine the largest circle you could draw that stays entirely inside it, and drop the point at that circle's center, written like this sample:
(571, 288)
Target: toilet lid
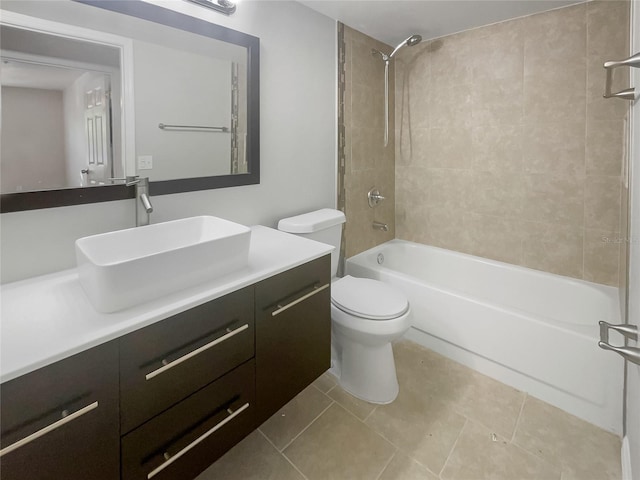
(367, 298)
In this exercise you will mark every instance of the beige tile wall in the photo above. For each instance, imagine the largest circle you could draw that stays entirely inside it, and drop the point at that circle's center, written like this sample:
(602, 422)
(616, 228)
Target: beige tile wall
(505, 147)
(367, 162)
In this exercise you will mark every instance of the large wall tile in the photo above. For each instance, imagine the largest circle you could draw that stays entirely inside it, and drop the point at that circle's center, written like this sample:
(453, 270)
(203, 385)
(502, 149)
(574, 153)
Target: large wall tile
(553, 148)
(498, 148)
(494, 237)
(552, 199)
(602, 203)
(605, 147)
(450, 148)
(449, 105)
(553, 248)
(601, 256)
(497, 194)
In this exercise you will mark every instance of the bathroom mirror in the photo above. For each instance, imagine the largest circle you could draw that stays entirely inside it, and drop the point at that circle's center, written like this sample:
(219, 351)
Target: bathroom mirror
(194, 90)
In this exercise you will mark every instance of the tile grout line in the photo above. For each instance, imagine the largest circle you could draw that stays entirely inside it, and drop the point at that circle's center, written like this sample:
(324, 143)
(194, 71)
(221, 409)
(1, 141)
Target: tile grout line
(453, 447)
(283, 455)
(388, 463)
(525, 450)
(305, 428)
(364, 420)
(515, 428)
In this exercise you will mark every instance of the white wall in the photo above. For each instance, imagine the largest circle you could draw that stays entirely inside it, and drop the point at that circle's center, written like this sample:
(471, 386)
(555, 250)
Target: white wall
(298, 146)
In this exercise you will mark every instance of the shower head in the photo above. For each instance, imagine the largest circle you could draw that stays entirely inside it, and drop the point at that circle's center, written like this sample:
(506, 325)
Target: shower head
(410, 42)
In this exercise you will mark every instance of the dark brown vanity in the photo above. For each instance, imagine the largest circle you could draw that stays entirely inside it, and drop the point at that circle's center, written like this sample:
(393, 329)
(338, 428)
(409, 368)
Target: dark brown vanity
(167, 400)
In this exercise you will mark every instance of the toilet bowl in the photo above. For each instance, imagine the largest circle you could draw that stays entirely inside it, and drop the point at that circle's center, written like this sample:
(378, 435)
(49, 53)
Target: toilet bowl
(366, 316)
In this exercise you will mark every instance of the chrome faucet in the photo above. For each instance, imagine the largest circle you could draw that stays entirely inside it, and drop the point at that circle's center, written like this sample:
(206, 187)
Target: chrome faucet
(143, 206)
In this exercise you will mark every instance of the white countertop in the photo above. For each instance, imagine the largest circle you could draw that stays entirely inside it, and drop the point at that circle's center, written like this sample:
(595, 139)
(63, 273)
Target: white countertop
(48, 318)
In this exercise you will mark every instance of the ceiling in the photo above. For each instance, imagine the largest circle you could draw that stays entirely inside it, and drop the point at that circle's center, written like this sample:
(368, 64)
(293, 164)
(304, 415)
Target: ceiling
(392, 21)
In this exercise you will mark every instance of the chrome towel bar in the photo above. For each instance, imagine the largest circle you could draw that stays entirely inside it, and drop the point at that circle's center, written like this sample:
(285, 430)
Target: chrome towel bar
(194, 128)
(629, 93)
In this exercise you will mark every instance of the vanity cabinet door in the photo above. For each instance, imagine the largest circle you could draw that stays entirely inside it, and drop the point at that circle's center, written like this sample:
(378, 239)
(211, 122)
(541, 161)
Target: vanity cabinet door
(61, 421)
(183, 441)
(293, 333)
(165, 362)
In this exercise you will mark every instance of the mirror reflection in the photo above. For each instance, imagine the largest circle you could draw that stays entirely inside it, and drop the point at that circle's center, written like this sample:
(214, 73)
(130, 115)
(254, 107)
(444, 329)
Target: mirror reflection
(192, 108)
(190, 111)
(60, 112)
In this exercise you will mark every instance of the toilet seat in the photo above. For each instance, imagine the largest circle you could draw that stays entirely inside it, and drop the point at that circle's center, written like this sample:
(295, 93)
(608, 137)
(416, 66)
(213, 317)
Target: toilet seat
(367, 298)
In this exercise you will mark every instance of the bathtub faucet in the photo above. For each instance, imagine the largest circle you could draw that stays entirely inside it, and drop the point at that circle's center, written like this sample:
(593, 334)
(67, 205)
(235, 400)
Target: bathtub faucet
(381, 226)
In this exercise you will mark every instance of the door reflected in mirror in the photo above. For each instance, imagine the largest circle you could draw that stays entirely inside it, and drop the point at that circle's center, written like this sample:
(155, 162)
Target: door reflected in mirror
(60, 112)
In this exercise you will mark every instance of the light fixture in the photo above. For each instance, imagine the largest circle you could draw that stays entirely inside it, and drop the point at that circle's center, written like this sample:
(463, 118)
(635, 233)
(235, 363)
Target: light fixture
(223, 6)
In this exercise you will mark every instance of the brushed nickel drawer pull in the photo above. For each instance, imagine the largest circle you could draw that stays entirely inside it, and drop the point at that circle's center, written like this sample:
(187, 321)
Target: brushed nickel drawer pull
(301, 299)
(64, 420)
(197, 351)
(175, 457)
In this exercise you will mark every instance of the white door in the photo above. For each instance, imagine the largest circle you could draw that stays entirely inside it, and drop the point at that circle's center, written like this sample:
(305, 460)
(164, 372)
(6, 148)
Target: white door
(97, 129)
(631, 447)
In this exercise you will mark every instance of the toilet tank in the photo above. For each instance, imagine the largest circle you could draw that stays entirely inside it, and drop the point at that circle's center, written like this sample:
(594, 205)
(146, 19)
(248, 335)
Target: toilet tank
(323, 225)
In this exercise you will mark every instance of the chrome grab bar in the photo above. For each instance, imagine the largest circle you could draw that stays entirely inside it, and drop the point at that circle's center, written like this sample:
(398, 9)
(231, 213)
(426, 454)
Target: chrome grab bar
(49, 428)
(167, 366)
(628, 331)
(629, 93)
(171, 459)
(301, 299)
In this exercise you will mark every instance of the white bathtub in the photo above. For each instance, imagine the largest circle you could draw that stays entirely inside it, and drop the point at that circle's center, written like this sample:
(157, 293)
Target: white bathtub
(535, 331)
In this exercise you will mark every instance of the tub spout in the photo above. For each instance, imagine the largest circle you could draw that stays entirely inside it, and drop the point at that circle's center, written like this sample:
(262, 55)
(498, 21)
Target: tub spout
(381, 226)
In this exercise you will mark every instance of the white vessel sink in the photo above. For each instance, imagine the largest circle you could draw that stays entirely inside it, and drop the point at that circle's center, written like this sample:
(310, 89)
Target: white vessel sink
(128, 267)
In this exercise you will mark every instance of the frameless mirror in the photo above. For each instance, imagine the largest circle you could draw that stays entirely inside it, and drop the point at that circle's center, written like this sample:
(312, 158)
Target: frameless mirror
(177, 102)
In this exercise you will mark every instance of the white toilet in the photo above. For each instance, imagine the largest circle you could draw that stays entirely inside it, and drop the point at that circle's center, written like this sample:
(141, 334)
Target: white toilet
(366, 316)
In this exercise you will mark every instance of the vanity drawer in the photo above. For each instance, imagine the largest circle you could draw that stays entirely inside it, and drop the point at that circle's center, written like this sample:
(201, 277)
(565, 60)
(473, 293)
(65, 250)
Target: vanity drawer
(187, 438)
(293, 333)
(61, 421)
(168, 361)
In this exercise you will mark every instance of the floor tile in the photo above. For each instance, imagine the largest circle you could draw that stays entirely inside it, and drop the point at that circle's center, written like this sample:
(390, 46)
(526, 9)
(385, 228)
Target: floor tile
(252, 459)
(359, 408)
(583, 450)
(338, 446)
(479, 454)
(424, 428)
(404, 468)
(325, 382)
(470, 393)
(491, 403)
(295, 416)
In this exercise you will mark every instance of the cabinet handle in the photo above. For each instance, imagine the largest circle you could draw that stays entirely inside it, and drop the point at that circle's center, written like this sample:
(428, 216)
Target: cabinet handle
(189, 355)
(218, 426)
(301, 299)
(47, 429)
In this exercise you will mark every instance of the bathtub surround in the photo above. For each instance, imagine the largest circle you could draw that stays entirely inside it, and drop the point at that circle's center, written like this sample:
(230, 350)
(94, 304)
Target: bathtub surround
(506, 149)
(368, 163)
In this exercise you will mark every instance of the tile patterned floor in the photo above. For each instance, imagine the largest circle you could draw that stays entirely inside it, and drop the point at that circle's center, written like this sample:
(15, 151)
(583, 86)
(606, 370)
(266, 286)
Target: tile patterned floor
(448, 423)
